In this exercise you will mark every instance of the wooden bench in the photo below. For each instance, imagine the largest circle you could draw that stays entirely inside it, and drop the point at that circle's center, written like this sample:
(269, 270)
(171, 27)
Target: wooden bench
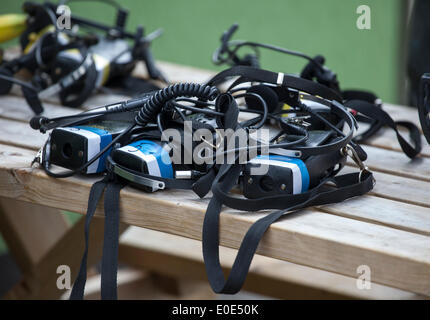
(312, 253)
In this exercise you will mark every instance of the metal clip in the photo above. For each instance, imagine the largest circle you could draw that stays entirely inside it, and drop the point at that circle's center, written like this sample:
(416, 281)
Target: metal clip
(349, 151)
(300, 120)
(38, 158)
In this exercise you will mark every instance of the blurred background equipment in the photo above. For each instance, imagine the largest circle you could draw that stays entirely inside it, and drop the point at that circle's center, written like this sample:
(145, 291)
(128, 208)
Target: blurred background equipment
(366, 59)
(424, 105)
(76, 58)
(418, 48)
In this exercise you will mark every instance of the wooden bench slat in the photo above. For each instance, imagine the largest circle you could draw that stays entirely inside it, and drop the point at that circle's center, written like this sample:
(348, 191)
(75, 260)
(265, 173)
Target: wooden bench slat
(153, 250)
(387, 140)
(16, 108)
(409, 217)
(398, 215)
(307, 237)
(396, 163)
(20, 134)
(26, 137)
(398, 188)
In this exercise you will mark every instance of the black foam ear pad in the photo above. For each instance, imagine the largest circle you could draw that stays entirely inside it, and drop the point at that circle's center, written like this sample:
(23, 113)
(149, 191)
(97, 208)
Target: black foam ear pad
(309, 70)
(267, 93)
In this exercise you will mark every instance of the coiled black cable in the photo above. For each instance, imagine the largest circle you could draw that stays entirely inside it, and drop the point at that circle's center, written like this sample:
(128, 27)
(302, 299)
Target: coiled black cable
(152, 107)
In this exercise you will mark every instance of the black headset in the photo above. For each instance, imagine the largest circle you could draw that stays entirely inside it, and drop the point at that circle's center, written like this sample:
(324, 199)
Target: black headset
(364, 105)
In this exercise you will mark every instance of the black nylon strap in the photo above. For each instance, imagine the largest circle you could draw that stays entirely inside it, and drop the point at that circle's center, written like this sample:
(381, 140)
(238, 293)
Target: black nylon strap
(374, 127)
(202, 186)
(32, 100)
(346, 183)
(111, 241)
(359, 95)
(95, 195)
(347, 186)
(88, 87)
(383, 117)
(369, 97)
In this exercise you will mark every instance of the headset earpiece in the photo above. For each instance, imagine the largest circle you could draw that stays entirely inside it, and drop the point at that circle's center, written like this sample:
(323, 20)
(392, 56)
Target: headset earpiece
(250, 60)
(309, 71)
(267, 93)
(320, 73)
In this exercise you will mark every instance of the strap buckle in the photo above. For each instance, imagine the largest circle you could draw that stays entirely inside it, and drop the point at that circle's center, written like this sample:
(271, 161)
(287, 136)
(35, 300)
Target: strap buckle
(349, 151)
(38, 159)
(299, 120)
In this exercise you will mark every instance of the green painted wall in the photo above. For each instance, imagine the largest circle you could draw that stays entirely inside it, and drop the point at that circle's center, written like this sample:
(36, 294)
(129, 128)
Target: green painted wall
(368, 59)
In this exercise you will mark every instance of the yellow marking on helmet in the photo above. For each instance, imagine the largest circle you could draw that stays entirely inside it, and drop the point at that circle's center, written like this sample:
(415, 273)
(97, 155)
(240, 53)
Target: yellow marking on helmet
(102, 67)
(33, 37)
(11, 26)
(286, 107)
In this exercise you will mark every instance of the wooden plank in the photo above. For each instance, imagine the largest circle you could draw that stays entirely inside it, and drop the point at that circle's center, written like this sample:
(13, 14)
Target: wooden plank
(41, 281)
(16, 108)
(396, 163)
(394, 214)
(307, 237)
(23, 226)
(20, 134)
(388, 140)
(398, 188)
(153, 250)
(408, 217)
(138, 285)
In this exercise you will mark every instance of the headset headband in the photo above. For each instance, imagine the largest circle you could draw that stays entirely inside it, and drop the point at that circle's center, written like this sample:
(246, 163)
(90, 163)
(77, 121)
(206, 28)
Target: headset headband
(249, 74)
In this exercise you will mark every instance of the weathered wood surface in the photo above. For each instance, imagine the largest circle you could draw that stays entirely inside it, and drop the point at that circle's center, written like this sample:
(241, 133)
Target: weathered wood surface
(388, 230)
(308, 237)
(154, 251)
(20, 225)
(40, 281)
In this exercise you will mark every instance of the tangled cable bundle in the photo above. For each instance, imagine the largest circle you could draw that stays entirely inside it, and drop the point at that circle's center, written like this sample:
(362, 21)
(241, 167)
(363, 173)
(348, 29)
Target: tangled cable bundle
(154, 105)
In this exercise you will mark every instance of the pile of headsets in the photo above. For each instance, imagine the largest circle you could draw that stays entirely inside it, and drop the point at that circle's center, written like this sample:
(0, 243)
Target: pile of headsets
(202, 137)
(73, 63)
